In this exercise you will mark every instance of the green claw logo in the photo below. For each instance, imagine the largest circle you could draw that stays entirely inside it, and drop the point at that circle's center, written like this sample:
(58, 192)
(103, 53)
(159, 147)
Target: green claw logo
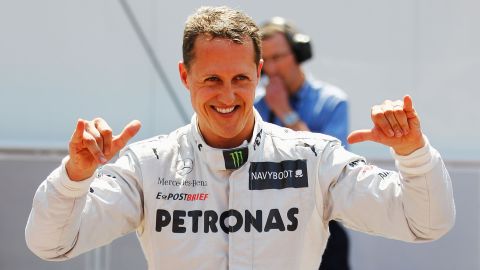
(237, 158)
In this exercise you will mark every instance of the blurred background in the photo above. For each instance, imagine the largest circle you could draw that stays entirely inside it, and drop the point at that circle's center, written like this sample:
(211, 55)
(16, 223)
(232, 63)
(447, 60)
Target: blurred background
(64, 60)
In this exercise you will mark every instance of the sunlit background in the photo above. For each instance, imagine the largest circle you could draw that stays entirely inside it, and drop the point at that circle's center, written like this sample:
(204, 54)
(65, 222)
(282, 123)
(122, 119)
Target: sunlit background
(61, 60)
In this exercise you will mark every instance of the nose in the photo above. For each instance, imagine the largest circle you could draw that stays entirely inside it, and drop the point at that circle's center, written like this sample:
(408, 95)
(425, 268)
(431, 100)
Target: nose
(227, 95)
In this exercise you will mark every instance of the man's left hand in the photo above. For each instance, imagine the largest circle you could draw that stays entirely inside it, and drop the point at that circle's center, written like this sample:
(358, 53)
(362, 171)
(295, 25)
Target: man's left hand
(396, 124)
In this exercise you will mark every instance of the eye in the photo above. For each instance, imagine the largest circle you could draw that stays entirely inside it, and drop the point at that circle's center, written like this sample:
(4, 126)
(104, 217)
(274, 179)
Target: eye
(241, 78)
(275, 57)
(212, 79)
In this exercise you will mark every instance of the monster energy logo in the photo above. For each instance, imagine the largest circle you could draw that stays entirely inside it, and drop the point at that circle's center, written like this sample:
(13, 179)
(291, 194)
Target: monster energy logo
(235, 158)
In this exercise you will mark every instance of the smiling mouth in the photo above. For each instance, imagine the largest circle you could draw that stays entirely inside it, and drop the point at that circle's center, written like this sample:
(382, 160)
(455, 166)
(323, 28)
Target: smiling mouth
(225, 110)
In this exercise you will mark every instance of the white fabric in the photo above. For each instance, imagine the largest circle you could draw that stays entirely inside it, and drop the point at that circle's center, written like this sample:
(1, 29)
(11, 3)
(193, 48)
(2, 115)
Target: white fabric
(272, 228)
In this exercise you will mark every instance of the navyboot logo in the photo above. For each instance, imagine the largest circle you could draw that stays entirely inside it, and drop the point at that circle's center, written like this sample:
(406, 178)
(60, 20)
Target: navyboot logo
(235, 158)
(278, 175)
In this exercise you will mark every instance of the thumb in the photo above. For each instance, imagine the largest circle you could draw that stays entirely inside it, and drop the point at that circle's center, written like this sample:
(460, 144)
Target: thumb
(130, 130)
(360, 136)
(77, 135)
(412, 114)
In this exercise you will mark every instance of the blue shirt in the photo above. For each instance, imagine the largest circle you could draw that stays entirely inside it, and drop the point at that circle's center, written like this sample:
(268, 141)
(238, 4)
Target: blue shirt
(323, 107)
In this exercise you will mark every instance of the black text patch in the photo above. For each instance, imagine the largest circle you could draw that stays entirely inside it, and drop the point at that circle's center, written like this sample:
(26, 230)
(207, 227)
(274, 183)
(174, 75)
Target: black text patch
(278, 175)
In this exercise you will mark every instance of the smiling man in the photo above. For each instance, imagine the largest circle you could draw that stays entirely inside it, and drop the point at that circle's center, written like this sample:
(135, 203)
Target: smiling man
(229, 191)
(222, 81)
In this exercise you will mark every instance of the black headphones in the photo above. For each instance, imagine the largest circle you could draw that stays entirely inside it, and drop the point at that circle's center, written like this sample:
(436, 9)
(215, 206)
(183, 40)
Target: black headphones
(299, 43)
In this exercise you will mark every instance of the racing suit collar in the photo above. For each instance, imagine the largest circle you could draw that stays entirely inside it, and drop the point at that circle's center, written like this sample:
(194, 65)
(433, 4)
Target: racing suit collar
(225, 159)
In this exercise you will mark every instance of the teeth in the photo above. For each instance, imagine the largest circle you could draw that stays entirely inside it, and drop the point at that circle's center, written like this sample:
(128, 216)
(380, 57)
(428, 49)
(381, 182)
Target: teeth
(225, 110)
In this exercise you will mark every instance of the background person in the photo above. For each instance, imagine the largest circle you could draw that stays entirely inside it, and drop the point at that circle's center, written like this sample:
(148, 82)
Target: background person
(300, 102)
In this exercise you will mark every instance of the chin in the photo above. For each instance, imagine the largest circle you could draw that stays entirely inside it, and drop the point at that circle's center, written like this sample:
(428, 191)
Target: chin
(228, 133)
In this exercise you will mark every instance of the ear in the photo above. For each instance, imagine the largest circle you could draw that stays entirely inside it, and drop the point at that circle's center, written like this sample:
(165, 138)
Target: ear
(182, 69)
(259, 69)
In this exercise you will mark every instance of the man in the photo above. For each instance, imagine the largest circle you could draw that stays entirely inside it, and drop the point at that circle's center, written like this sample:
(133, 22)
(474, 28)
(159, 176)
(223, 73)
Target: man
(300, 103)
(229, 191)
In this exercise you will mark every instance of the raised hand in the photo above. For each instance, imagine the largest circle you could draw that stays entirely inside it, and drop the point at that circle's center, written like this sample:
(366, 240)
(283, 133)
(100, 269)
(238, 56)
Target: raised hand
(92, 143)
(276, 96)
(396, 124)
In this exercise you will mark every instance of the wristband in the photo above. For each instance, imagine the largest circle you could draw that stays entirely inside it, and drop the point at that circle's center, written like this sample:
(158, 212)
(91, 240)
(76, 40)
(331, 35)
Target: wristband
(291, 118)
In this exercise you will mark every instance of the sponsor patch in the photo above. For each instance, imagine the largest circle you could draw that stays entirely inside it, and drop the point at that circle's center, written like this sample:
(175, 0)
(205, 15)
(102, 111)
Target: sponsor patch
(182, 196)
(384, 174)
(230, 221)
(258, 139)
(357, 162)
(184, 166)
(102, 174)
(181, 183)
(156, 153)
(312, 147)
(235, 158)
(278, 175)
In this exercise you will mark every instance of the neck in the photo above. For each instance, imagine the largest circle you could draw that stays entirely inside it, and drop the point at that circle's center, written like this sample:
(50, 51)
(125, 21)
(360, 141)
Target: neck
(217, 141)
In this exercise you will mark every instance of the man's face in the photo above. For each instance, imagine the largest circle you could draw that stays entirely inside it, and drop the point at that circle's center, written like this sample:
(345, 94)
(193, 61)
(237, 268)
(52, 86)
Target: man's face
(278, 57)
(222, 78)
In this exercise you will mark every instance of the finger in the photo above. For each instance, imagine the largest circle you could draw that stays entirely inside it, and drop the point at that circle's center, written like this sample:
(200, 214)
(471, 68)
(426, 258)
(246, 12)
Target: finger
(106, 134)
(77, 135)
(379, 120)
(360, 136)
(401, 117)
(95, 133)
(268, 91)
(130, 130)
(389, 111)
(91, 144)
(273, 85)
(274, 80)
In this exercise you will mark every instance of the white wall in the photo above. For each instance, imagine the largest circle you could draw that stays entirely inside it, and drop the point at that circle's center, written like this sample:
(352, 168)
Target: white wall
(61, 60)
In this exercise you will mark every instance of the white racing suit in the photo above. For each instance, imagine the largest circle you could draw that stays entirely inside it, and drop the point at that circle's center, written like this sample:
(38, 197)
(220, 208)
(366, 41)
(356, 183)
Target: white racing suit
(263, 205)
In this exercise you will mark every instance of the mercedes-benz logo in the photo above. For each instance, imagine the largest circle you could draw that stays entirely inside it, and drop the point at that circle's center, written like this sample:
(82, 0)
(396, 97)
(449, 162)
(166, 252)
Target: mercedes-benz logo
(184, 166)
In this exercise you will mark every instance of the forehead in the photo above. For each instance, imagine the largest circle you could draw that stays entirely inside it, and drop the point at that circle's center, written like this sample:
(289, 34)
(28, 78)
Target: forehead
(216, 53)
(207, 43)
(274, 43)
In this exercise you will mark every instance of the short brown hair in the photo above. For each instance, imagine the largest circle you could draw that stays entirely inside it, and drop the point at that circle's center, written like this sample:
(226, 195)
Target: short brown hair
(219, 22)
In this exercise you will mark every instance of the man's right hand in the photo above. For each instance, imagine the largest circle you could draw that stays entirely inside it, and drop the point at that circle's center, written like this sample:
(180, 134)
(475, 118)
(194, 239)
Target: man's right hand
(276, 96)
(92, 143)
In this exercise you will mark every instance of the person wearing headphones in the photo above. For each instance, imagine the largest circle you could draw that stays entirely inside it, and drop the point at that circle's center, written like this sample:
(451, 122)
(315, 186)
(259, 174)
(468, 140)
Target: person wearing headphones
(300, 102)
